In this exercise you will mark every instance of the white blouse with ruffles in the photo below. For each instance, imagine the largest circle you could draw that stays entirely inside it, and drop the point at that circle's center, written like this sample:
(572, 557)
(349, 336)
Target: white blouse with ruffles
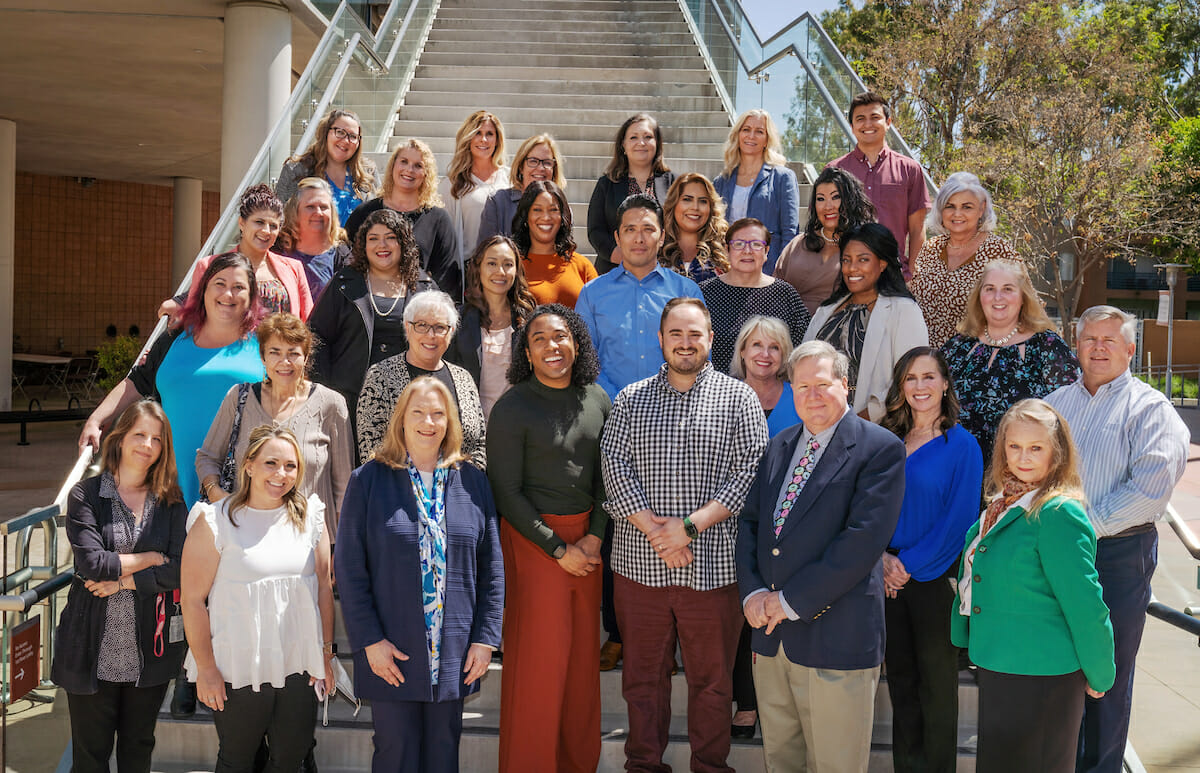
(262, 608)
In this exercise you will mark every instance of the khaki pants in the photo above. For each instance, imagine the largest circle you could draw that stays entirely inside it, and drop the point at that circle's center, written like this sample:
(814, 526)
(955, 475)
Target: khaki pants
(814, 720)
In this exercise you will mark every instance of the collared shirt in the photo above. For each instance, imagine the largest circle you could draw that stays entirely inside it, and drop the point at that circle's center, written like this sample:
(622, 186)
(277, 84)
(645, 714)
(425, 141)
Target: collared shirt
(1133, 449)
(895, 185)
(673, 452)
(622, 315)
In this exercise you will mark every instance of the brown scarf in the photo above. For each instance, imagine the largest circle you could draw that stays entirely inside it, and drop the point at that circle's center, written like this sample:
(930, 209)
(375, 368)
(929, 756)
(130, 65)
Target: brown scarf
(1014, 489)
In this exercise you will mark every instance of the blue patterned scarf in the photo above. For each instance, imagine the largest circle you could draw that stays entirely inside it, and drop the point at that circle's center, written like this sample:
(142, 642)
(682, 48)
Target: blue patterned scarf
(431, 511)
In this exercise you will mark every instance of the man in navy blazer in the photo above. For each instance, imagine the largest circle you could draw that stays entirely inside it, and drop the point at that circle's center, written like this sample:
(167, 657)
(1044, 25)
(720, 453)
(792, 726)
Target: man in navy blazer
(820, 514)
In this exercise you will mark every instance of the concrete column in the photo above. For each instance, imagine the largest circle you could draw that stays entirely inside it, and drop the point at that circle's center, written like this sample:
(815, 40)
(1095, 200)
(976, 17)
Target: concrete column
(8, 230)
(186, 238)
(257, 83)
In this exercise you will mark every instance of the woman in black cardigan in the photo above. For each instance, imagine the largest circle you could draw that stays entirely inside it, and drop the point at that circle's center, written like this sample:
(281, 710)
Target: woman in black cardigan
(120, 637)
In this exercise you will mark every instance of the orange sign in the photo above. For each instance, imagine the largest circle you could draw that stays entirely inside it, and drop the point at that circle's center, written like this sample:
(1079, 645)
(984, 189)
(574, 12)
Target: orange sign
(23, 658)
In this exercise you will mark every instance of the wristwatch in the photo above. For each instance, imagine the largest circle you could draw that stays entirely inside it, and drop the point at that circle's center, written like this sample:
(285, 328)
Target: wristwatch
(559, 552)
(689, 528)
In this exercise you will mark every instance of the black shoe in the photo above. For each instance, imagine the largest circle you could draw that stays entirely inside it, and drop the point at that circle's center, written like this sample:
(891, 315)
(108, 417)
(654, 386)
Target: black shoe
(742, 731)
(183, 700)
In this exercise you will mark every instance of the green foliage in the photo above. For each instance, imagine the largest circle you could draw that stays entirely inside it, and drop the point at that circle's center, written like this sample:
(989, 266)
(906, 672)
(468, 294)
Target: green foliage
(115, 358)
(1181, 386)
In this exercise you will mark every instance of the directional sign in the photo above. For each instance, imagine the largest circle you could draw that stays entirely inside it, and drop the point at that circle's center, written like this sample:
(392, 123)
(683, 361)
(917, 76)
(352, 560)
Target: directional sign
(23, 658)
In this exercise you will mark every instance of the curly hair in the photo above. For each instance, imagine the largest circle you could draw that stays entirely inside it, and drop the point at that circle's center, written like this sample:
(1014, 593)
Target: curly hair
(710, 247)
(882, 244)
(428, 196)
(564, 241)
(460, 165)
(520, 298)
(257, 198)
(288, 328)
(195, 313)
(854, 210)
(899, 418)
(410, 254)
(289, 235)
(773, 154)
(587, 363)
(316, 157)
(618, 167)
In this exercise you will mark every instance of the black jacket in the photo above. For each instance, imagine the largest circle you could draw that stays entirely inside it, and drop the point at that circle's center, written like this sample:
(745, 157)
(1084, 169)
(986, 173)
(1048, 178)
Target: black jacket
(466, 347)
(81, 626)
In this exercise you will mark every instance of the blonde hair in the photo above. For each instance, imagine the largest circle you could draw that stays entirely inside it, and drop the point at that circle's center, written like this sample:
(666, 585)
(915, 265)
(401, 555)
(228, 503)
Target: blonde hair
(293, 501)
(394, 453)
(771, 328)
(1033, 317)
(290, 235)
(1063, 479)
(710, 246)
(773, 154)
(428, 196)
(460, 166)
(517, 173)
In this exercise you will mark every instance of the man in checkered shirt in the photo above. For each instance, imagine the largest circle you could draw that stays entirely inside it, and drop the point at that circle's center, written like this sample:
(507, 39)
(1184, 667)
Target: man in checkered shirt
(680, 451)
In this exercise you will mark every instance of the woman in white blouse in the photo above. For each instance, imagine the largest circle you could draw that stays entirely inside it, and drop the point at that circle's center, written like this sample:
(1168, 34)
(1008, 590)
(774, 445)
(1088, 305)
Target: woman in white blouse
(476, 171)
(260, 558)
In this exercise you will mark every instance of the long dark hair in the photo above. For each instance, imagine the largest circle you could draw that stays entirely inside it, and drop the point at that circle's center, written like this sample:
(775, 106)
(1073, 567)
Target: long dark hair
(855, 210)
(587, 363)
(564, 242)
(618, 167)
(520, 298)
(899, 418)
(410, 254)
(195, 315)
(882, 244)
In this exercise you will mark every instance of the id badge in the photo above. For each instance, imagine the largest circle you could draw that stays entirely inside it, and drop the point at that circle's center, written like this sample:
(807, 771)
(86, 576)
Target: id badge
(175, 633)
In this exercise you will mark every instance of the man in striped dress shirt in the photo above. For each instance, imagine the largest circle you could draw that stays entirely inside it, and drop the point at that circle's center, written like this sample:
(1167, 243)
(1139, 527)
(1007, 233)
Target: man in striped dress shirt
(679, 453)
(1133, 448)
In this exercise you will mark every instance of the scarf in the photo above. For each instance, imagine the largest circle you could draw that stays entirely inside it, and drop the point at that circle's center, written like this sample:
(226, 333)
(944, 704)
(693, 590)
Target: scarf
(431, 517)
(1014, 489)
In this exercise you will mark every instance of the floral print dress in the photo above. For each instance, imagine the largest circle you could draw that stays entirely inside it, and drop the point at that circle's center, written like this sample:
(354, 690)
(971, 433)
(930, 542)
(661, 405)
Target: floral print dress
(1034, 368)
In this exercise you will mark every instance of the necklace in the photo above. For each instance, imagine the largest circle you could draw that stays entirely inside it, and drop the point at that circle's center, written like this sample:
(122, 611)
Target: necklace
(371, 298)
(987, 333)
(829, 239)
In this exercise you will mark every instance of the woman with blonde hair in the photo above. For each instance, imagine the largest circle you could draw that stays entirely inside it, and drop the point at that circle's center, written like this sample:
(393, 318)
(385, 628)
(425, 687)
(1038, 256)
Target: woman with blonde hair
(1006, 349)
(421, 578)
(538, 159)
(1029, 606)
(335, 156)
(258, 606)
(757, 183)
(312, 234)
(410, 188)
(637, 166)
(694, 227)
(476, 171)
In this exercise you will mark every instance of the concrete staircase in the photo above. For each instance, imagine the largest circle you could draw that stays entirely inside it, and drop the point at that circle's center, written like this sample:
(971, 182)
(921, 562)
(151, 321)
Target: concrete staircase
(575, 70)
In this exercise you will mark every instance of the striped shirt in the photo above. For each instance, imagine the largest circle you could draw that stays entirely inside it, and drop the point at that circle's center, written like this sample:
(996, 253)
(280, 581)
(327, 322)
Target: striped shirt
(673, 452)
(1133, 449)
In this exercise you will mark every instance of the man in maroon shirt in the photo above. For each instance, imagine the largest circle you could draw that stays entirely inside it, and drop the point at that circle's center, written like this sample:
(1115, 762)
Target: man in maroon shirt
(894, 182)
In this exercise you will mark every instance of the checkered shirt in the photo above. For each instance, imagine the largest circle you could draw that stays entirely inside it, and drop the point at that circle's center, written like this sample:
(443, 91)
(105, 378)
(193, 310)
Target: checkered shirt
(673, 452)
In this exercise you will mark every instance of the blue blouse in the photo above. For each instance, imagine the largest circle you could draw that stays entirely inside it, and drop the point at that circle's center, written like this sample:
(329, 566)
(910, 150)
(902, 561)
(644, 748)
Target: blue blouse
(783, 415)
(345, 196)
(943, 480)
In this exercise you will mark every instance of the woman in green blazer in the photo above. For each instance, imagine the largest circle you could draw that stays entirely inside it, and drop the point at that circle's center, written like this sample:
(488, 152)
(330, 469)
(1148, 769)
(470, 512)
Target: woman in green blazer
(1029, 605)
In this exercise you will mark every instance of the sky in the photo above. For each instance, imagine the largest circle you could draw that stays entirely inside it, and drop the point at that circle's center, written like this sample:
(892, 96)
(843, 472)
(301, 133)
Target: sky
(770, 16)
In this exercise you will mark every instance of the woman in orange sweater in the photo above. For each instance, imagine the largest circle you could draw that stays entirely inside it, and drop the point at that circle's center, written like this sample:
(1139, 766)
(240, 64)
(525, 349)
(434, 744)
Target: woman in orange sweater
(542, 230)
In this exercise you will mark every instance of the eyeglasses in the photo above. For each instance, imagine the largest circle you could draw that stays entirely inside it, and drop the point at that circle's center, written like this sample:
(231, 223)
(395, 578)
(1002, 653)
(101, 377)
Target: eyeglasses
(751, 245)
(424, 327)
(342, 134)
(534, 163)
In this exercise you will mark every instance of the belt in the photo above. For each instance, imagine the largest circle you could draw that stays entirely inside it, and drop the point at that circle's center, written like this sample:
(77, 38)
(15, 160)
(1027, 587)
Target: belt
(1141, 528)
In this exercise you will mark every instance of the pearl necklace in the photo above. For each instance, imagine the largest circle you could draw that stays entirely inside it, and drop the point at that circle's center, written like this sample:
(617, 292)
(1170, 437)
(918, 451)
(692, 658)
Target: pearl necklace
(371, 298)
(987, 333)
(827, 239)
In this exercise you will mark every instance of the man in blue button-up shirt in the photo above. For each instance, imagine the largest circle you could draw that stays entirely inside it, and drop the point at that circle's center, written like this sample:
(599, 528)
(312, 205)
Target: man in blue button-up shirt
(622, 308)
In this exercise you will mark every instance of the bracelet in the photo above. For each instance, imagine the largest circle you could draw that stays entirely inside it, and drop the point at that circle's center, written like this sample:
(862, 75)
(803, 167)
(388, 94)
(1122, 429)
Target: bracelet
(206, 486)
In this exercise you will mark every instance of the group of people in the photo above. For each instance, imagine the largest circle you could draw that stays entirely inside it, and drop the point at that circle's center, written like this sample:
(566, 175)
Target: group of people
(793, 455)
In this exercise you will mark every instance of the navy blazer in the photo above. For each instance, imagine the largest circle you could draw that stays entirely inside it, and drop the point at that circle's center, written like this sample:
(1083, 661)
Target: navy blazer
(379, 578)
(826, 560)
(774, 199)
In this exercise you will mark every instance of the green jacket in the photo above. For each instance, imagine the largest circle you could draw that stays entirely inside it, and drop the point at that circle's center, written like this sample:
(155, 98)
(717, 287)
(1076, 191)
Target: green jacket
(1036, 604)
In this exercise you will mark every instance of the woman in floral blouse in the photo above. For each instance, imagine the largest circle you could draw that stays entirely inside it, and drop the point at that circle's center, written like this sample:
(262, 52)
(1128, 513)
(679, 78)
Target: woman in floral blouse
(1006, 350)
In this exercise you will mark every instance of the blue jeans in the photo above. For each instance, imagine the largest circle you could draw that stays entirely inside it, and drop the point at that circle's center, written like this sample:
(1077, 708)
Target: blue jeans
(1126, 565)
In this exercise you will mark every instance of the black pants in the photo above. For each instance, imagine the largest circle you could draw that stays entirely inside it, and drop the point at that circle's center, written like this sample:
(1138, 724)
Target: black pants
(1029, 723)
(743, 673)
(286, 715)
(123, 710)
(922, 677)
(608, 614)
(412, 737)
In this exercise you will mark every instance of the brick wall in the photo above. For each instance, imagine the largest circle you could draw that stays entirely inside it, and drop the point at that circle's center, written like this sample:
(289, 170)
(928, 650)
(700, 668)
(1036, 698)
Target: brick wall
(87, 258)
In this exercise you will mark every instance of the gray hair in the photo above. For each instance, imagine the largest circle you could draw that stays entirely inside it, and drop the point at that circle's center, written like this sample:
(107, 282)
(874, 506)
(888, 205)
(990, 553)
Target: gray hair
(772, 328)
(1103, 313)
(961, 182)
(821, 350)
(431, 301)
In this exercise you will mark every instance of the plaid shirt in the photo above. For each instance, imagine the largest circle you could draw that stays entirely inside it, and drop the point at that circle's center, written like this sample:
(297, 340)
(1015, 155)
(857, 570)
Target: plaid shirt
(673, 452)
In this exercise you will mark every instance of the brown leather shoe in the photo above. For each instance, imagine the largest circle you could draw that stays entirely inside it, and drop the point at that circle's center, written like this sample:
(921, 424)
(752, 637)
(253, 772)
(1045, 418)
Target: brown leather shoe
(610, 655)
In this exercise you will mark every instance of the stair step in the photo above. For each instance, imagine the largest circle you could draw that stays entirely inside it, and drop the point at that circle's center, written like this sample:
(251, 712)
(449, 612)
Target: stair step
(572, 149)
(691, 111)
(516, 133)
(551, 86)
(535, 38)
(518, 16)
(649, 46)
(534, 59)
(602, 119)
(594, 5)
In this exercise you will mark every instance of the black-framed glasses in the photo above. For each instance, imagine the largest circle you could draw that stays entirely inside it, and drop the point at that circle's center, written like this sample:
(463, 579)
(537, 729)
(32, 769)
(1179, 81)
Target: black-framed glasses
(342, 134)
(424, 327)
(534, 163)
(748, 245)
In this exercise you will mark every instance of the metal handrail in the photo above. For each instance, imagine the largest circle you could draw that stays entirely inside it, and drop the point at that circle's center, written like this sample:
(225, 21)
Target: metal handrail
(1183, 532)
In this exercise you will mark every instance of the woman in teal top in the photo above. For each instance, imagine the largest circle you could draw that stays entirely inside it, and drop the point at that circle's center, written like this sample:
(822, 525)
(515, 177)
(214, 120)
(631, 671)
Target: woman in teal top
(1029, 605)
(190, 370)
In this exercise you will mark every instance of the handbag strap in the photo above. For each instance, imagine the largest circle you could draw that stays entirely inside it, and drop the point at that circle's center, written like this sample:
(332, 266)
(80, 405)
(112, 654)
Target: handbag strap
(243, 392)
